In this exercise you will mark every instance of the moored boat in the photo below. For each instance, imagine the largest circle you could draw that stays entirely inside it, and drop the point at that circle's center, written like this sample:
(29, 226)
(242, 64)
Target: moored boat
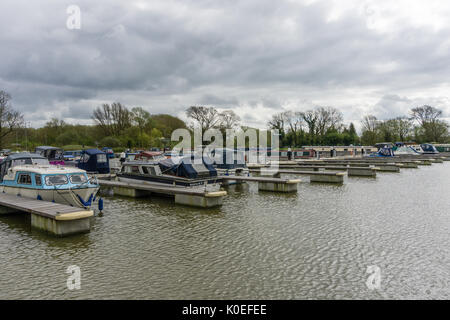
(54, 155)
(65, 185)
(176, 172)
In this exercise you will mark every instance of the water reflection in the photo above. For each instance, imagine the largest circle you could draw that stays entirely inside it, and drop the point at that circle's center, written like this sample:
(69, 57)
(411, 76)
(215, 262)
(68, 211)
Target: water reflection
(314, 244)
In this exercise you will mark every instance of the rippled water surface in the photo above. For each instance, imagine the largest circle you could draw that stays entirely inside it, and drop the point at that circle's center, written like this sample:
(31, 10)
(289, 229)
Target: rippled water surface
(316, 244)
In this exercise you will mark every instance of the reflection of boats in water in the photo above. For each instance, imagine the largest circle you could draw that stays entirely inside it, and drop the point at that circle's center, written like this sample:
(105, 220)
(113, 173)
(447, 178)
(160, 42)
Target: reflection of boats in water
(183, 172)
(31, 176)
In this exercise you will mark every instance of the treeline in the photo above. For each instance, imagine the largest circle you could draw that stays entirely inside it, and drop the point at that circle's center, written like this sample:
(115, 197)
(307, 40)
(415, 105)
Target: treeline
(422, 125)
(115, 126)
(319, 126)
(119, 127)
(324, 126)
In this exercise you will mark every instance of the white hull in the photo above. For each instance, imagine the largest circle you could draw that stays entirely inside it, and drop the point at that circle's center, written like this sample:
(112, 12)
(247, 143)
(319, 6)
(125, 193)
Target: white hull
(64, 196)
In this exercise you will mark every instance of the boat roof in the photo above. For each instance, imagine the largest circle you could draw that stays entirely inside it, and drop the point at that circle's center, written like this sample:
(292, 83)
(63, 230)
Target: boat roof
(22, 155)
(139, 163)
(47, 169)
(47, 148)
(93, 151)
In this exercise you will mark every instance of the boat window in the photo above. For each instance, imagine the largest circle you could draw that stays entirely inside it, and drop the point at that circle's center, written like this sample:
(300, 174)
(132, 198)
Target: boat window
(84, 158)
(55, 180)
(38, 179)
(24, 179)
(101, 158)
(135, 169)
(145, 170)
(78, 178)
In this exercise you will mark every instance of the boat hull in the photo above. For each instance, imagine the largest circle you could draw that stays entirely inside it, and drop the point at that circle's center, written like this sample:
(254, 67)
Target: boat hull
(81, 197)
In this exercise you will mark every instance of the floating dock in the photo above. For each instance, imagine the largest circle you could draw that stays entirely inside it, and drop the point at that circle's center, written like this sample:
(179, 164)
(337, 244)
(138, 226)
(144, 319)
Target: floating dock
(272, 184)
(55, 218)
(194, 198)
(315, 176)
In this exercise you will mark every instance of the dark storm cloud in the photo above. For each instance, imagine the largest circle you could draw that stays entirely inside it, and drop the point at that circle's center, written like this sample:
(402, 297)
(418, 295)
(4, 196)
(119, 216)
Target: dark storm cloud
(167, 55)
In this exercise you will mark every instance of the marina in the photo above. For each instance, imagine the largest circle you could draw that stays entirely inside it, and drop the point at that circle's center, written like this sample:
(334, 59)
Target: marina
(313, 243)
(218, 159)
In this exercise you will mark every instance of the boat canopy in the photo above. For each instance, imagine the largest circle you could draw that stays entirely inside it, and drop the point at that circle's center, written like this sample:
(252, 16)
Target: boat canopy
(225, 158)
(429, 148)
(51, 153)
(406, 150)
(192, 166)
(17, 159)
(94, 160)
(149, 156)
(383, 152)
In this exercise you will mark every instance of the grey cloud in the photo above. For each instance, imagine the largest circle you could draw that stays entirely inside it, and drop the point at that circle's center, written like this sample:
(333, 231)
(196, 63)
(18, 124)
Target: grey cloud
(173, 54)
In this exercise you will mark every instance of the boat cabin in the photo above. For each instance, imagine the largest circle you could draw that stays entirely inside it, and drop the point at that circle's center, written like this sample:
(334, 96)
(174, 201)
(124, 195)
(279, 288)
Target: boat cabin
(192, 167)
(54, 155)
(18, 159)
(94, 160)
(44, 177)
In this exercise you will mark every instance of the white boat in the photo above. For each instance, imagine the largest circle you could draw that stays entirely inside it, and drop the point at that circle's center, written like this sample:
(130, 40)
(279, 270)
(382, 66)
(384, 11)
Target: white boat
(65, 185)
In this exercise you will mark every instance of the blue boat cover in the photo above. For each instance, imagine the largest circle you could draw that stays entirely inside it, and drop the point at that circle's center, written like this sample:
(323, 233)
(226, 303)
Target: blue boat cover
(191, 167)
(94, 160)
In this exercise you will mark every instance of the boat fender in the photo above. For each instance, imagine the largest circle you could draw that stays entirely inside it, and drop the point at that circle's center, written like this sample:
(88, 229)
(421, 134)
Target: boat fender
(39, 197)
(100, 204)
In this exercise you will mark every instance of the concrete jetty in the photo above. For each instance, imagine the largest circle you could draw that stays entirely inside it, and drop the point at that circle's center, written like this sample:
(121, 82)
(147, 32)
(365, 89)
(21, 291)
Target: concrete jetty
(194, 198)
(272, 184)
(315, 176)
(57, 219)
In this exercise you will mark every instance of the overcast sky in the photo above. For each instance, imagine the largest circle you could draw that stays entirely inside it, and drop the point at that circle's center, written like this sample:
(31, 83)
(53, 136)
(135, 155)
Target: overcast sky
(257, 57)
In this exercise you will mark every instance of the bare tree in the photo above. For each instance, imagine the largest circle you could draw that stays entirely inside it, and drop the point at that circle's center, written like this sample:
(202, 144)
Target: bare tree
(434, 129)
(277, 122)
(328, 118)
(310, 117)
(113, 119)
(229, 119)
(205, 117)
(425, 114)
(402, 127)
(9, 118)
(370, 123)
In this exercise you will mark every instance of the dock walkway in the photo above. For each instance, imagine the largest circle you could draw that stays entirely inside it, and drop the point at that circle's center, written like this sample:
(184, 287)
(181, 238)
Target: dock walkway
(56, 218)
(195, 198)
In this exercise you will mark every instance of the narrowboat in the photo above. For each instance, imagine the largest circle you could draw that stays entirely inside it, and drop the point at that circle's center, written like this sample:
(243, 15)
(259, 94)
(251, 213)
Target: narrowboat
(54, 155)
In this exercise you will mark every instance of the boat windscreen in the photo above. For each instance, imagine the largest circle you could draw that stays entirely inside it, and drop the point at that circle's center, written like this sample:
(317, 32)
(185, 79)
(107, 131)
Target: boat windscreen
(55, 180)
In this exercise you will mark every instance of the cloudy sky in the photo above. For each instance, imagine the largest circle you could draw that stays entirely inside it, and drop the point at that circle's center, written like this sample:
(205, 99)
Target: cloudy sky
(257, 57)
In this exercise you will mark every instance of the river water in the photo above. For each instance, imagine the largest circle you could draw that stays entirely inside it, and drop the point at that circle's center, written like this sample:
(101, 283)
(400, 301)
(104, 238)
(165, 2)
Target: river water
(316, 244)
